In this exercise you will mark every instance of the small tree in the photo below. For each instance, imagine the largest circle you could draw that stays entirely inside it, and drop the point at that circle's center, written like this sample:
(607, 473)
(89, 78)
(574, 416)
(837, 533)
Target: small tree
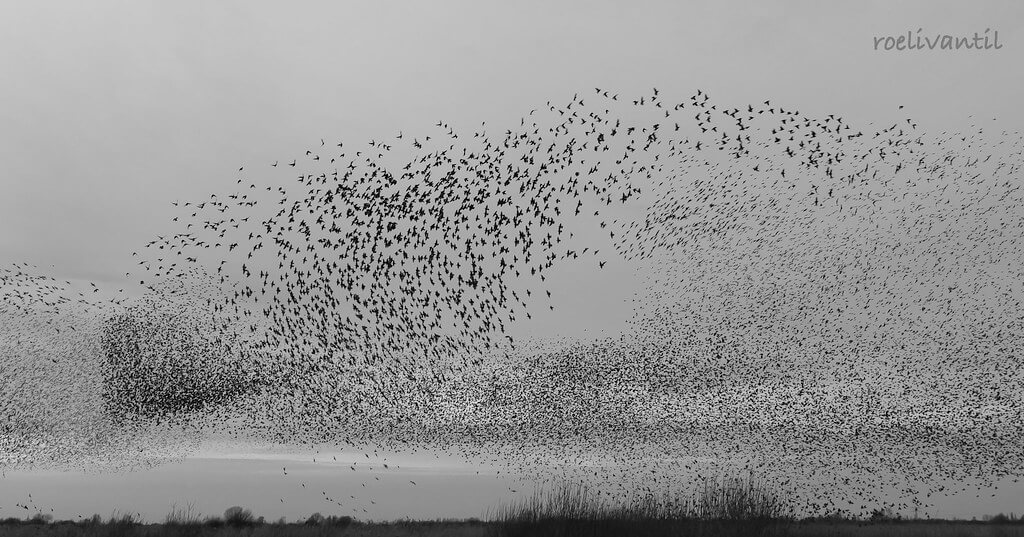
(315, 519)
(40, 518)
(237, 516)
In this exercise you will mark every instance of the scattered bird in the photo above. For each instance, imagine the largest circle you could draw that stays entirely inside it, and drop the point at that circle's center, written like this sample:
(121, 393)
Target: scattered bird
(819, 301)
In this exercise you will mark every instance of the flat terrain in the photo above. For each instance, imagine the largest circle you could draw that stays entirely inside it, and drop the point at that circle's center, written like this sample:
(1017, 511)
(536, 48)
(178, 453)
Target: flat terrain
(496, 529)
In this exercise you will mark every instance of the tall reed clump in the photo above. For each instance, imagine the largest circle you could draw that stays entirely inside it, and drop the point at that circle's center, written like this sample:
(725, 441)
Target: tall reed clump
(722, 506)
(738, 498)
(183, 516)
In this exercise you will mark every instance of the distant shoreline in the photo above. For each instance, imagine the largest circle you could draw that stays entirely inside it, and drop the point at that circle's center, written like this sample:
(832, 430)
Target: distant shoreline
(316, 525)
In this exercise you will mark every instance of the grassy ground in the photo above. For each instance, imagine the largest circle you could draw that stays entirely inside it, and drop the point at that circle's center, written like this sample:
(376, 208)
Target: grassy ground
(725, 507)
(910, 528)
(562, 528)
(550, 528)
(455, 529)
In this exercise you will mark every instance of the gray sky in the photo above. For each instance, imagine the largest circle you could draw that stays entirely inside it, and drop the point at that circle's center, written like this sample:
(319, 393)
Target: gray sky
(115, 109)
(111, 110)
(213, 482)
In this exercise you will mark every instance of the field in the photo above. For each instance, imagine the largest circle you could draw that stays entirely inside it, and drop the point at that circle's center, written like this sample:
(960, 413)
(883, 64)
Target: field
(730, 507)
(565, 528)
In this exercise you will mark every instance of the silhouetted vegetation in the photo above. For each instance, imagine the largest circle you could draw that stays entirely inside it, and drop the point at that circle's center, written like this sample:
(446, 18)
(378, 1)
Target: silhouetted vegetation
(183, 515)
(238, 517)
(722, 507)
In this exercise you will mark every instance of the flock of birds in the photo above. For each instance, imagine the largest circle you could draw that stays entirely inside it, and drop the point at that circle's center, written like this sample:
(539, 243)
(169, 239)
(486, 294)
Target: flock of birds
(832, 306)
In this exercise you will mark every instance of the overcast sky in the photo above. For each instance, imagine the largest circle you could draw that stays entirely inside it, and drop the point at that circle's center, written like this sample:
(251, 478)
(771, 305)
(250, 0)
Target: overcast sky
(111, 110)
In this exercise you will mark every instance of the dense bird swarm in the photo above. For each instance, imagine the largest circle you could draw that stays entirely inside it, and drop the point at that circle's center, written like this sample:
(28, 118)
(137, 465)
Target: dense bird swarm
(831, 305)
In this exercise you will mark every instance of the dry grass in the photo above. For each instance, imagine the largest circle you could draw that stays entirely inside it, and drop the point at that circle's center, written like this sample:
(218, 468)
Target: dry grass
(692, 527)
(910, 528)
(723, 507)
(218, 528)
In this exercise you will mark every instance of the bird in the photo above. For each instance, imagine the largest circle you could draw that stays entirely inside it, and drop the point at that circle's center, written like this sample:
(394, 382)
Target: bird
(820, 300)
